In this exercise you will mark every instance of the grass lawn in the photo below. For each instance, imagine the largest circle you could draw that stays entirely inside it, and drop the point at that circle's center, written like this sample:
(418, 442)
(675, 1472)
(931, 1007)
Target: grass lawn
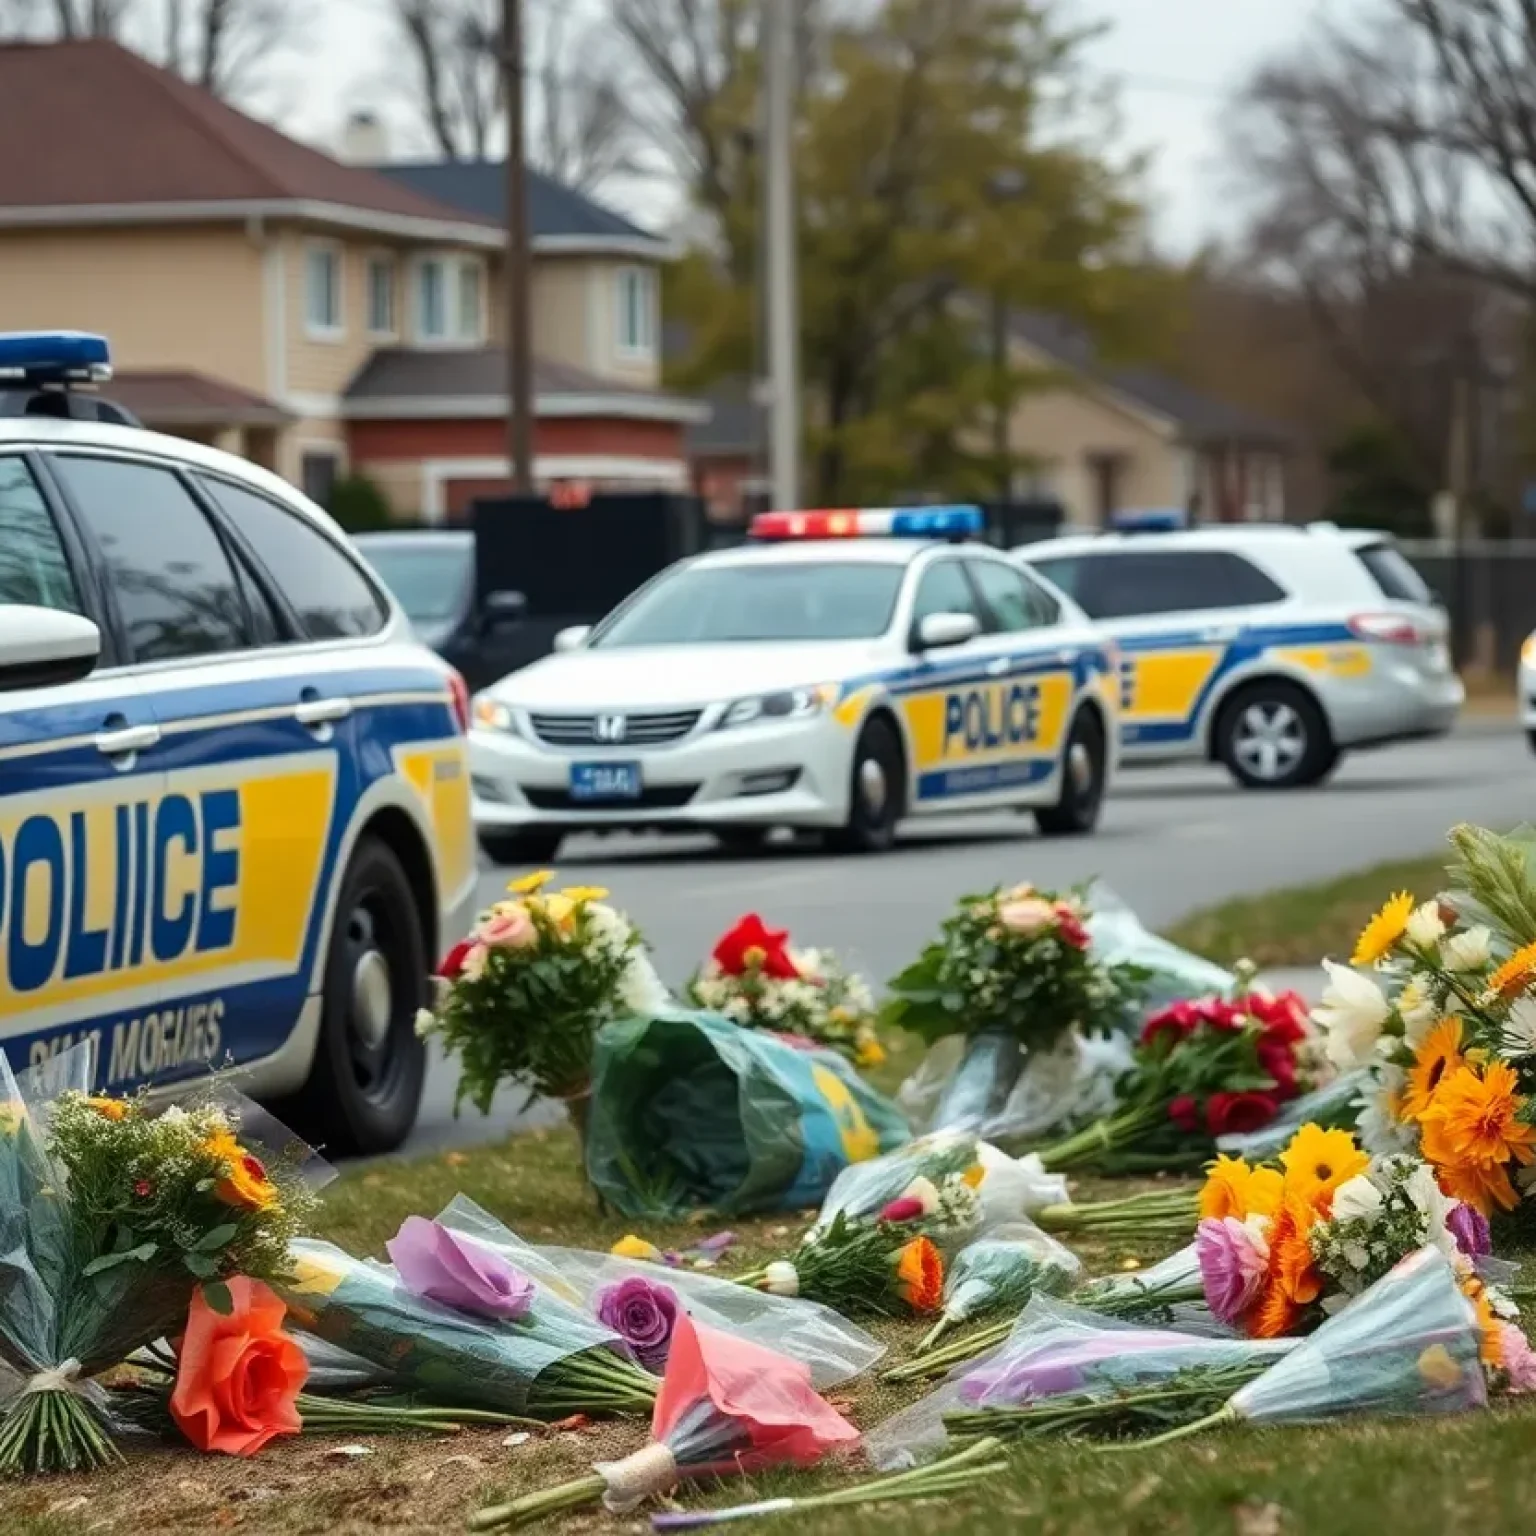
(1415, 1479)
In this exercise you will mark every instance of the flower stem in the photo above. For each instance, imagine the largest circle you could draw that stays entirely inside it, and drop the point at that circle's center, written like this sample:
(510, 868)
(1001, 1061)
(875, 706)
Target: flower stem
(1226, 1414)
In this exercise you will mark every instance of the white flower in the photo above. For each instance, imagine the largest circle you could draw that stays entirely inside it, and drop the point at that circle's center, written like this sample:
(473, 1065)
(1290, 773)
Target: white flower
(1468, 951)
(781, 1279)
(1355, 1255)
(1520, 1028)
(1357, 1199)
(1416, 1007)
(1423, 1189)
(642, 992)
(1382, 1130)
(1257, 1228)
(426, 1023)
(1425, 927)
(925, 1192)
(1351, 1014)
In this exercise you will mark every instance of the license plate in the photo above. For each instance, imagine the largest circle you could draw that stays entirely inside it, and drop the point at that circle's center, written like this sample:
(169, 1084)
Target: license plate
(605, 781)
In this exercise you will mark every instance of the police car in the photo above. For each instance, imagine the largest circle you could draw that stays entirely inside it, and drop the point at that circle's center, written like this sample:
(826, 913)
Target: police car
(1527, 689)
(1272, 649)
(234, 804)
(841, 671)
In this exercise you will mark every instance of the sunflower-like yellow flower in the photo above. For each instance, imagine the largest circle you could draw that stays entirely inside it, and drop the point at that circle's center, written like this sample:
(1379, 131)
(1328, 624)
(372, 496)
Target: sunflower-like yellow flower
(1438, 1056)
(526, 885)
(1382, 933)
(1232, 1188)
(1317, 1162)
(1516, 974)
(582, 894)
(109, 1109)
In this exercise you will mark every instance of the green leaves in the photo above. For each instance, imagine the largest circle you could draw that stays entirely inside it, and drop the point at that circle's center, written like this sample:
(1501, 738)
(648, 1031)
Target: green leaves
(218, 1297)
(139, 1255)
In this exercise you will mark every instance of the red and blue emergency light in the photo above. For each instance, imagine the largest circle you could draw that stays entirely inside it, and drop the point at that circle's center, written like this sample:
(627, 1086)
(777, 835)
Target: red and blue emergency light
(871, 523)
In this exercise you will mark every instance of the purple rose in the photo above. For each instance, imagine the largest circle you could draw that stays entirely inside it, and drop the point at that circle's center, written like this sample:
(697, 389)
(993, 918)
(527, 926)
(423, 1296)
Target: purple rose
(445, 1266)
(1232, 1264)
(1469, 1227)
(643, 1314)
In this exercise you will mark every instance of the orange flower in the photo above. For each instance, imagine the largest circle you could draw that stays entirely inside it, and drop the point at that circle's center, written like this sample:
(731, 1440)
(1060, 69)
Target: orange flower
(245, 1184)
(1290, 1253)
(1491, 1346)
(1275, 1316)
(920, 1275)
(1512, 978)
(1472, 1133)
(237, 1377)
(1438, 1056)
(1232, 1188)
(109, 1109)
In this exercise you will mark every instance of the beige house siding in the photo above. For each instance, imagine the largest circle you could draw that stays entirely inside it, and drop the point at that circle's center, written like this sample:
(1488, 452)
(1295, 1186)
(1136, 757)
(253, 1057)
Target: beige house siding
(178, 297)
(311, 435)
(564, 329)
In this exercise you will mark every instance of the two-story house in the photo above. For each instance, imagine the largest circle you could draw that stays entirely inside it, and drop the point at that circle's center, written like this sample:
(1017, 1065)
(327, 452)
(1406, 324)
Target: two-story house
(320, 317)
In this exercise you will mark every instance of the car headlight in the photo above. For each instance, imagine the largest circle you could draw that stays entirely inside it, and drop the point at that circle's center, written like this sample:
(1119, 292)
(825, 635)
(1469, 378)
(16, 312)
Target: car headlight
(491, 714)
(788, 704)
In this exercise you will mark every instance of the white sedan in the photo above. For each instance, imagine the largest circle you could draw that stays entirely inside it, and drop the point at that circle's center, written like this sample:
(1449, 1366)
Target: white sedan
(1527, 687)
(840, 672)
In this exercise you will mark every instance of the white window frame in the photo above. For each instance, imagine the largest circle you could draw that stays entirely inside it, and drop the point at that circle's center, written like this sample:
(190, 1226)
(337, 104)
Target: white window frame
(384, 261)
(452, 265)
(642, 348)
(314, 329)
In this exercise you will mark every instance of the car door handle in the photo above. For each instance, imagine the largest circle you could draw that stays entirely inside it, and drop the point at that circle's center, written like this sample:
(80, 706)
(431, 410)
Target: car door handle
(129, 738)
(321, 711)
(1000, 666)
(1219, 635)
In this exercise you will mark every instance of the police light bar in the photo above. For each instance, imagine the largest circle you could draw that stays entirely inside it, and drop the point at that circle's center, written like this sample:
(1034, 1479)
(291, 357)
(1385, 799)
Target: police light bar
(54, 357)
(871, 523)
(1149, 520)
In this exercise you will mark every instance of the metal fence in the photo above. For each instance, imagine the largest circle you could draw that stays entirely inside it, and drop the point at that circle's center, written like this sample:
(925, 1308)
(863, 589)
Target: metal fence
(1489, 588)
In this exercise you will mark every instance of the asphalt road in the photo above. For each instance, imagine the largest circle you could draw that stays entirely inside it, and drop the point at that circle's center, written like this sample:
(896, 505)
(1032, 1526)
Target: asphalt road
(1171, 840)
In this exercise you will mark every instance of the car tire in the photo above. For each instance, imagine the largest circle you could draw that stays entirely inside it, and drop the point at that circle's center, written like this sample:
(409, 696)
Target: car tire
(1272, 735)
(741, 841)
(535, 846)
(1084, 769)
(364, 1088)
(876, 792)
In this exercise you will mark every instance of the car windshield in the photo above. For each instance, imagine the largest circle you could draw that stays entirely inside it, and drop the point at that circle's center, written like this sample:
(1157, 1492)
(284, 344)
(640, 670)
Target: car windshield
(788, 600)
(429, 583)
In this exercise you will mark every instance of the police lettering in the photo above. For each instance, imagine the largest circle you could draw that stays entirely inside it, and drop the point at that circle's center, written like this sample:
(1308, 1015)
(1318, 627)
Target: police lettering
(982, 719)
(173, 867)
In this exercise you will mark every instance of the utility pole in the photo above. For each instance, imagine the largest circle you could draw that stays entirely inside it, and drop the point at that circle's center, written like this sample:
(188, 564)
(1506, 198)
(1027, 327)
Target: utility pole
(518, 261)
(783, 310)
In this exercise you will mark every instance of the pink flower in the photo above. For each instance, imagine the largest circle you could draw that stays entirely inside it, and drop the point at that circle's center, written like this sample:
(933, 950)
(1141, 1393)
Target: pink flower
(1026, 917)
(908, 1208)
(511, 929)
(474, 962)
(1519, 1359)
(1232, 1259)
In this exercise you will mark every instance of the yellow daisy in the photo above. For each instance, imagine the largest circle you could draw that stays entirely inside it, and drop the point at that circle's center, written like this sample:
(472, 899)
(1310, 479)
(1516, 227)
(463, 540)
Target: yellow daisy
(1381, 934)
(1317, 1162)
(1514, 976)
(584, 893)
(528, 884)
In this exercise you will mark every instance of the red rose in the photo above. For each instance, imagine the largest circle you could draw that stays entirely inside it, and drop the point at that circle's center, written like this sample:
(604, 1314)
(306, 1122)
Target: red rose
(1276, 1059)
(1230, 1114)
(1185, 1113)
(1284, 1018)
(751, 946)
(1223, 1016)
(1175, 1021)
(1069, 930)
(453, 961)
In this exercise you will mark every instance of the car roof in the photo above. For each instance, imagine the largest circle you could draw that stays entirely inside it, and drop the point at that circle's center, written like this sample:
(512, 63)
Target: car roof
(813, 551)
(415, 538)
(1234, 536)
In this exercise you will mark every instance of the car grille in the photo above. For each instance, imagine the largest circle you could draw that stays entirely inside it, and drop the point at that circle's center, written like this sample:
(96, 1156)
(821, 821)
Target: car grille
(639, 730)
(667, 797)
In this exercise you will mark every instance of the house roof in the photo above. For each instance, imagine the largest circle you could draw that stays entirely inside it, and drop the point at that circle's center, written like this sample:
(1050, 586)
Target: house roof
(1198, 417)
(737, 426)
(397, 382)
(559, 217)
(116, 139)
(183, 397)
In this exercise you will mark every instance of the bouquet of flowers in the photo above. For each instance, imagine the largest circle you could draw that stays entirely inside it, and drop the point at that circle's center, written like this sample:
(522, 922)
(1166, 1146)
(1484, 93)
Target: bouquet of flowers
(522, 997)
(1015, 972)
(111, 1216)
(1000, 1273)
(725, 1408)
(1202, 1069)
(455, 1322)
(756, 979)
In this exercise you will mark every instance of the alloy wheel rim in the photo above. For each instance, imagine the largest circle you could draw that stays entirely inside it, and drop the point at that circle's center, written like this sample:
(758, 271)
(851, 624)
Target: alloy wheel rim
(1270, 740)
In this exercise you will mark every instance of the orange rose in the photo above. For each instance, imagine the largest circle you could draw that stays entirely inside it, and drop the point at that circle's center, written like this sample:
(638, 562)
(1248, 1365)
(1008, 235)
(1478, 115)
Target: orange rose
(920, 1276)
(246, 1184)
(109, 1109)
(237, 1377)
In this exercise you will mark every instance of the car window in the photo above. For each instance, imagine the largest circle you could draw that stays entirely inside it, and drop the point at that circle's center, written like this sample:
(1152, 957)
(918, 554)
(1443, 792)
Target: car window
(1132, 583)
(174, 585)
(943, 588)
(1391, 572)
(332, 597)
(33, 566)
(431, 582)
(771, 600)
(1015, 603)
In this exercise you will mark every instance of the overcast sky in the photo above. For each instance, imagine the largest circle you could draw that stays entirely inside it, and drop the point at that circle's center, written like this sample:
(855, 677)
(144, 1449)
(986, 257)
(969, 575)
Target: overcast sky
(1175, 60)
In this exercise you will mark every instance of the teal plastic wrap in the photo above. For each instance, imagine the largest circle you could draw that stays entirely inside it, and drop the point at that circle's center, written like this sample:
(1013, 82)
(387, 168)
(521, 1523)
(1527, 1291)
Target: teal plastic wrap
(690, 1111)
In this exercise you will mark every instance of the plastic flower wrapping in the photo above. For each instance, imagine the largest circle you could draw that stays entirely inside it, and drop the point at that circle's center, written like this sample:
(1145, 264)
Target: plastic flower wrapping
(755, 978)
(112, 1214)
(522, 997)
(726, 1407)
(1000, 1273)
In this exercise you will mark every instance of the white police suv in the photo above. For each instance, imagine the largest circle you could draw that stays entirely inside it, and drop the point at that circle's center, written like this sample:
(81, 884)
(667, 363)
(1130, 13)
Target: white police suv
(234, 806)
(1270, 648)
(841, 671)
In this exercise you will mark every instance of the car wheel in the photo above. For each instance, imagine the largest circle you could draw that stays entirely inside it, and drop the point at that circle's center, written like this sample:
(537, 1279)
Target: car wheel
(741, 840)
(876, 794)
(535, 846)
(1082, 781)
(364, 1088)
(1273, 736)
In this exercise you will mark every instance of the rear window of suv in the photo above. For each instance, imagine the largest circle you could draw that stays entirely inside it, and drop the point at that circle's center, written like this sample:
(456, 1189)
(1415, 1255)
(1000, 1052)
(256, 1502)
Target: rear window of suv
(1123, 584)
(1392, 572)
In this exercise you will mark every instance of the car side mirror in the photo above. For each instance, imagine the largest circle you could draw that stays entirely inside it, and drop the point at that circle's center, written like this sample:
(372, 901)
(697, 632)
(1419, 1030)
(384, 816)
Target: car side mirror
(573, 637)
(500, 610)
(41, 647)
(936, 631)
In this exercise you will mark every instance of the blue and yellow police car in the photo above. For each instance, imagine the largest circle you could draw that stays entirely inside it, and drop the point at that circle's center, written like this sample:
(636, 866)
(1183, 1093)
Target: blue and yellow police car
(234, 798)
(841, 671)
